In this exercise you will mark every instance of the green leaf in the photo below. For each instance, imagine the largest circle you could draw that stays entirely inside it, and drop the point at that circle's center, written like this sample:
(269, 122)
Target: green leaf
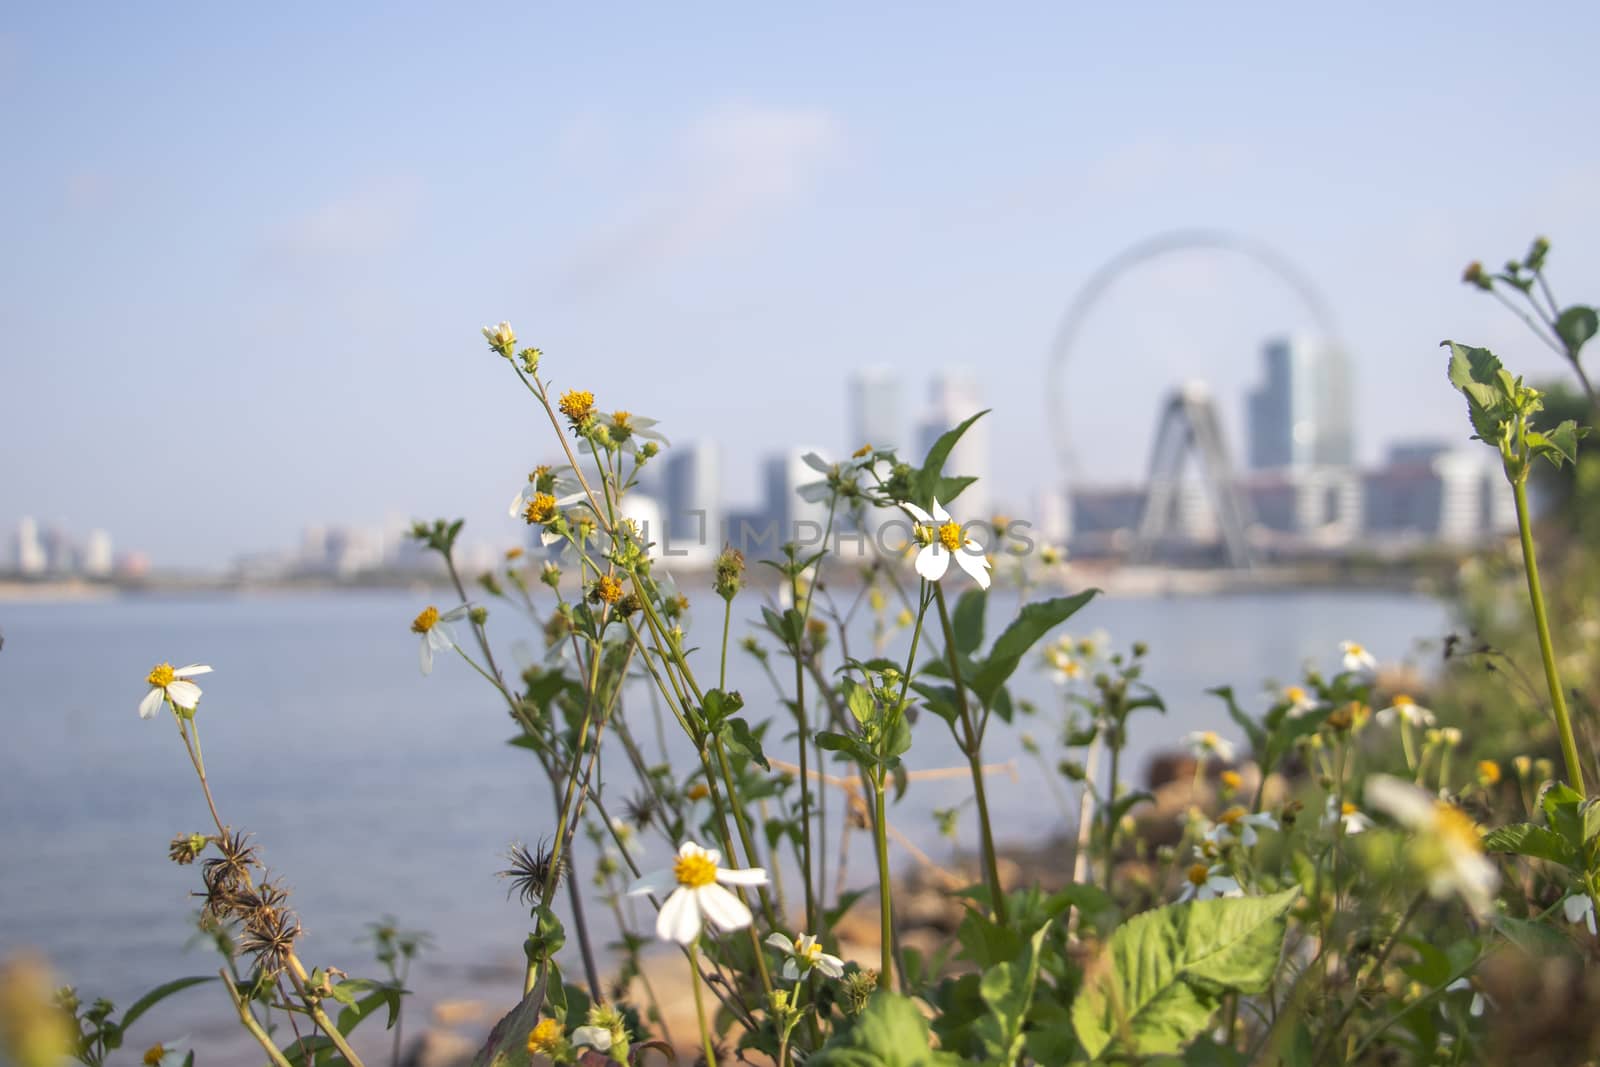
(1251, 728)
(507, 1045)
(967, 622)
(1527, 839)
(1563, 441)
(1563, 808)
(926, 483)
(158, 994)
(889, 1032)
(1536, 938)
(738, 735)
(1576, 325)
(1032, 622)
(1162, 973)
(1007, 988)
(1475, 373)
(717, 706)
(859, 699)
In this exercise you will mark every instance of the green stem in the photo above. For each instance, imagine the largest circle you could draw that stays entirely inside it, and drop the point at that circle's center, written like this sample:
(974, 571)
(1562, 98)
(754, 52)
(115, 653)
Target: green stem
(880, 828)
(1558, 699)
(973, 748)
(699, 1004)
(1111, 822)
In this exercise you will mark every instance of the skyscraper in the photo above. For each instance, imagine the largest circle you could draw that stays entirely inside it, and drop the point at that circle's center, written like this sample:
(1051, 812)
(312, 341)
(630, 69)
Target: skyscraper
(692, 499)
(29, 556)
(1299, 416)
(875, 410)
(954, 398)
(792, 518)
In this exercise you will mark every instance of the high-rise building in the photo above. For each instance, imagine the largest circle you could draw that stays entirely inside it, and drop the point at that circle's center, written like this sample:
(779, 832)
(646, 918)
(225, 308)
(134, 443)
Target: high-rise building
(1299, 416)
(793, 518)
(875, 410)
(954, 398)
(28, 552)
(97, 559)
(692, 499)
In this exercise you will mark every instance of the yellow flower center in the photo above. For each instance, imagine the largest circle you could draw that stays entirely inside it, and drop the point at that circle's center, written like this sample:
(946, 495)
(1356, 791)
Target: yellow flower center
(1231, 817)
(698, 791)
(1456, 826)
(1295, 695)
(1197, 874)
(1347, 808)
(1355, 650)
(1489, 771)
(577, 404)
(541, 509)
(608, 589)
(1209, 739)
(810, 953)
(545, 1038)
(863, 450)
(153, 1054)
(950, 536)
(426, 620)
(1232, 779)
(620, 419)
(1403, 701)
(161, 675)
(695, 870)
(514, 552)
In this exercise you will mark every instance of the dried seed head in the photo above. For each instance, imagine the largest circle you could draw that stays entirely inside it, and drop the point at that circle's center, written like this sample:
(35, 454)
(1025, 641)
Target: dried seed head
(530, 871)
(186, 848)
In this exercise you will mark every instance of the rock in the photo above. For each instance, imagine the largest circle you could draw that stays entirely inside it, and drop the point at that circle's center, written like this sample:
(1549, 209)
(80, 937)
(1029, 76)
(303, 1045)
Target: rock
(440, 1048)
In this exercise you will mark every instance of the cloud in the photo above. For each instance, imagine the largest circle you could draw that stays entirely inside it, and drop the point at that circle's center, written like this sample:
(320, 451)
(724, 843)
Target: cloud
(373, 219)
(728, 172)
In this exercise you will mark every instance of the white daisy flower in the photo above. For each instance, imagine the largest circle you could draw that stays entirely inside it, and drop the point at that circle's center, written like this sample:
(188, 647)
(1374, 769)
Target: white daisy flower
(1578, 908)
(699, 895)
(1239, 825)
(605, 1031)
(1475, 1008)
(1403, 707)
(1204, 883)
(1300, 701)
(1354, 819)
(501, 337)
(1357, 658)
(172, 684)
(166, 1053)
(627, 429)
(436, 636)
(805, 953)
(1203, 743)
(941, 538)
(1447, 847)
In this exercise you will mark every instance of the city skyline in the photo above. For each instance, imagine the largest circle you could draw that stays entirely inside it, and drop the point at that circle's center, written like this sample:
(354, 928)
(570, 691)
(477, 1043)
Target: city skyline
(277, 320)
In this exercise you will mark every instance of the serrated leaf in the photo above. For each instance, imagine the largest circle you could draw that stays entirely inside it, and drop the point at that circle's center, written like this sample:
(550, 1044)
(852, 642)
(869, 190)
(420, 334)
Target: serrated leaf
(1527, 839)
(1007, 989)
(1563, 440)
(1475, 373)
(737, 734)
(858, 698)
(507, 1044)
(889, 1032)
(1032, 622)
(1160, 976)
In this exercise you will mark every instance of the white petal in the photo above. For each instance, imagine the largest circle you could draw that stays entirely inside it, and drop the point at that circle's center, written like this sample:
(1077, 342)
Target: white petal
(191, 670)
(724, 909)
(654, 882)
(593, 1036)
(813, 492)
(518, 504)
(747, 876)
(427, 655)
(1410, 805)
(975, 565)
(791, 970)
(832, 966)
(457, 612)
(680, 917)
(917, 513)
(816, 463)
(780, 942)
(438, 638)
(939, 513)
(184, 694)
(932, 562)
(150, 704)
(1575, 907)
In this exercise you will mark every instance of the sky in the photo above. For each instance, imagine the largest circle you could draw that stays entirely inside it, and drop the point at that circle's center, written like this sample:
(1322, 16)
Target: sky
(247, 256)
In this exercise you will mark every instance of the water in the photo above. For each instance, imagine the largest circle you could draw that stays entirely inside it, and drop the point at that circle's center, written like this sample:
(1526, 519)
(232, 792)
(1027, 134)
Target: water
(372, 789)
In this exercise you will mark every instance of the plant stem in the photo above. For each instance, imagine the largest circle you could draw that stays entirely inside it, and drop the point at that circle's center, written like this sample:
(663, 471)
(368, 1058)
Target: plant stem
(699, 1004)
(880, 828)
(248, 1020)
(1111, 805)
(1558, 699)
(973, 747)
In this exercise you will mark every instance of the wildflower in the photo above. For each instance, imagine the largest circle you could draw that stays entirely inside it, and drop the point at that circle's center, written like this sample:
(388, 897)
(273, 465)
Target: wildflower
(514, 553)
(186, 848)
(164, 1054)
(1475, 1008)
(858, 988)
(1448, 849)
(700, 894)
(606, 588)
(1203, 883)
(1203, 743)
(1300, 702)
(1403, 707)
(605, 1031)
(625, 428)
(546, 1039)
(1239, 824)
(698, 791)
(1488, 773)
(1474, 275)
(1232, 781)
(1357, 658)
(728, 573)
(173, 686)
(578, 406)
(501, 338)
(1093, 646)
(531, 870)
(1355, 821)
(1050, 555)
(805, 954)
(436, 637)
(1579, 907)
(941, 538)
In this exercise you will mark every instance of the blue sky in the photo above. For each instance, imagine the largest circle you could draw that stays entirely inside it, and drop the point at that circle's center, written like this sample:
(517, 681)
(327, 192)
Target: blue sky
(247, 258)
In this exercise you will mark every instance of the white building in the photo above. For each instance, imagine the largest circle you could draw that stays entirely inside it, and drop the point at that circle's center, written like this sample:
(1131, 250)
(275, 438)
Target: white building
(692, 502)
(954, 398)
(874, 410)
(792, 518)
(28, 551)
(97, 557)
